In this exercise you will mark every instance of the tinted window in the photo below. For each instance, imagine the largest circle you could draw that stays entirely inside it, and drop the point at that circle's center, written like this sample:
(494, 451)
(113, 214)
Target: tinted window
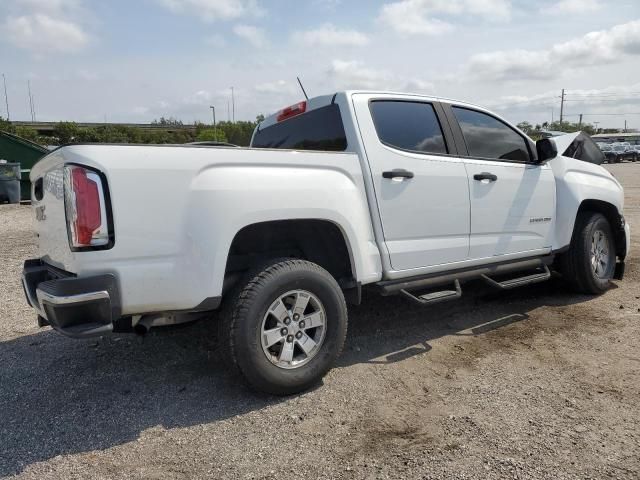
(408, 125)
(488, 137)
(319, 129)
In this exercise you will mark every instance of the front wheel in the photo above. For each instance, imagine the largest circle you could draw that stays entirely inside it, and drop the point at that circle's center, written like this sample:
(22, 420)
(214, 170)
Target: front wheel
(590, 263)
(285, 326)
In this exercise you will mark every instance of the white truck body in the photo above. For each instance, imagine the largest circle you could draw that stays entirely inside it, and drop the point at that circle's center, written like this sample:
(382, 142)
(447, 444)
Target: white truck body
(180, 217)
(176, 209)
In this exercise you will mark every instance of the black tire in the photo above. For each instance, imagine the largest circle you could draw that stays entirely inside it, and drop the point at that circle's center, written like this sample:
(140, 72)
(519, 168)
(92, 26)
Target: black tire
(576, 266)
(242, 322)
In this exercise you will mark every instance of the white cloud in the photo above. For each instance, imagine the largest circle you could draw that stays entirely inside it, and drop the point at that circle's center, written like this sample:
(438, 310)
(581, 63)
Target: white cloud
(42, 33)
(254, 35)
(211, 10)
(48, 5)
(416, 85)
(354, 74)
(422, 17)
(215, 40)
(594, 48)
(279, 87)
(328, 35)
(573, 6)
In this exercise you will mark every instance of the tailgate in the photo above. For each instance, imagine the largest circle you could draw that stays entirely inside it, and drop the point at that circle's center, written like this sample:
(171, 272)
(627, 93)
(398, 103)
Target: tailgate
(47, 198)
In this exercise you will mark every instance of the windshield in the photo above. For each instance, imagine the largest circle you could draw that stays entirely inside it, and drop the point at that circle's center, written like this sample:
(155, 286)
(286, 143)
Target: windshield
(605, 148)
(619, 148)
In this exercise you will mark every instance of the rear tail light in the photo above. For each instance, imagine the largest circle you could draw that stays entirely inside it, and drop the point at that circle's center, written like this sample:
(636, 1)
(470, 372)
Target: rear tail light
(85, 208)
(292, 111)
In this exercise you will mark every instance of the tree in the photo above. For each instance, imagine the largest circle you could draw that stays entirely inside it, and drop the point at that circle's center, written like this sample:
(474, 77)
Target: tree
(27, 133)
(65, 132)
(6, 126)
(167, 121)
(210, 134)
(526, 127)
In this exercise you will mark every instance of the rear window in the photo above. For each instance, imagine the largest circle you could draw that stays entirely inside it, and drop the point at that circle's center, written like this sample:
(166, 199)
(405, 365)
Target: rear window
(319, 129)
(411, 126)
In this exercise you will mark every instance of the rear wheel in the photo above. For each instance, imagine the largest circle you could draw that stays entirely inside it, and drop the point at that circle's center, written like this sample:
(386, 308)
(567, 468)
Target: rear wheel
(590, 263)
(285, 326)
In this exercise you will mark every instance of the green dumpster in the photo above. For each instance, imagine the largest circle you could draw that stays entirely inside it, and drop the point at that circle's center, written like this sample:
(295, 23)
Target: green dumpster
(26, 153)
(9, 182)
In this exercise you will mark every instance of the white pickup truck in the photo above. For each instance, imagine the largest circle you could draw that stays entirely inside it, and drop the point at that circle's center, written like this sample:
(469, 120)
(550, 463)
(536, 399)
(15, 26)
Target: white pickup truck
(403, 194)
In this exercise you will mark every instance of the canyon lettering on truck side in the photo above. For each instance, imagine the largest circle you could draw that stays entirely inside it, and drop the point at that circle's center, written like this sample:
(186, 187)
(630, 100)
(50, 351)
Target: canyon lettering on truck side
(401, 194)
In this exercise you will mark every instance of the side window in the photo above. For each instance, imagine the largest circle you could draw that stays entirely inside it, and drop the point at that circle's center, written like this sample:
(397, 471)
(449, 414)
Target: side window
(409, 126)
(488, 137)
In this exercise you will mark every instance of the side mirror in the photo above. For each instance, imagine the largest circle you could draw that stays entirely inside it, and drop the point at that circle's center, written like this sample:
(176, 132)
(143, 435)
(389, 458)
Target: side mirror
(546, 149)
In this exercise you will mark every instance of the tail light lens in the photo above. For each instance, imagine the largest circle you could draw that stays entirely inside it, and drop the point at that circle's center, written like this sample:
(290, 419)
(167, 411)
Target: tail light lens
(85, 208)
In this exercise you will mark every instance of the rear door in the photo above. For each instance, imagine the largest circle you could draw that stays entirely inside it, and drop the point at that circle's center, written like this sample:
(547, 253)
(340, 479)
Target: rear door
(420, 183)
(512, 197)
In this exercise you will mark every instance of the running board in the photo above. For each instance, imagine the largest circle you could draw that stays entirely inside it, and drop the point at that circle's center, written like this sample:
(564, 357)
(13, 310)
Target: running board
(435, 297)
(434, 280)
(521, 281)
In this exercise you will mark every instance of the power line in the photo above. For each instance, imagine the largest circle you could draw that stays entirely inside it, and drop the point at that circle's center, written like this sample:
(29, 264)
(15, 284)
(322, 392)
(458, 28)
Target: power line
(603, 94)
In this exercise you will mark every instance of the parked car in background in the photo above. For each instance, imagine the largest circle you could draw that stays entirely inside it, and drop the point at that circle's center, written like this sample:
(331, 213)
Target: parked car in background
(625, 152)
(610, 155)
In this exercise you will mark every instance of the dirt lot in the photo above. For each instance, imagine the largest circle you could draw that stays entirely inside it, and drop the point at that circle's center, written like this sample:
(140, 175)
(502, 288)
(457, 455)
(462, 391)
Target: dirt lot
(535, 383)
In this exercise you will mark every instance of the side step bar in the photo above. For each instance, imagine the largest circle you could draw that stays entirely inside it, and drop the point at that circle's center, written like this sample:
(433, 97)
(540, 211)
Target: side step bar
(519, 282)
(392, 287)
(435, 297)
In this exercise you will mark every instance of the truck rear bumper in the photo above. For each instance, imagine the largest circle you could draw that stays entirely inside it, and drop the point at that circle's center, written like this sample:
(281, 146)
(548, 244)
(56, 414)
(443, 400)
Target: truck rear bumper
(75, 306)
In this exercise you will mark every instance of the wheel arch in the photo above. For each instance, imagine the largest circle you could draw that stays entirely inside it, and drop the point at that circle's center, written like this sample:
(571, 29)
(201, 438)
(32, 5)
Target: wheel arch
(321, 241)
(615, 219)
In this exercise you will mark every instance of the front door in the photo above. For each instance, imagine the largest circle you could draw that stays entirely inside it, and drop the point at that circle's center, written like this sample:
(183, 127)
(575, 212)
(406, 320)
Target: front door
(420, 184)
(512, 197)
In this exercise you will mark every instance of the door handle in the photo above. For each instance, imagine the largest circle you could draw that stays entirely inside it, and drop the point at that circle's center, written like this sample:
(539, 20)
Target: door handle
(397, 173)
(485, 176)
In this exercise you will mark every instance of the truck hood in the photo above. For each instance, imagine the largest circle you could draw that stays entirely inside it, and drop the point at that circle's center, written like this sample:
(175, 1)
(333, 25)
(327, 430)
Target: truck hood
(580, 146)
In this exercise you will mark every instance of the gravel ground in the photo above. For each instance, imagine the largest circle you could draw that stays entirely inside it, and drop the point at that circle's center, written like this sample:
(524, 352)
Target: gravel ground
(534, 383)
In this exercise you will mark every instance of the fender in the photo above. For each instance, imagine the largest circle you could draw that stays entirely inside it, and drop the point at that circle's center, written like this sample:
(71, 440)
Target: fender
(577, 182)
(225, 198)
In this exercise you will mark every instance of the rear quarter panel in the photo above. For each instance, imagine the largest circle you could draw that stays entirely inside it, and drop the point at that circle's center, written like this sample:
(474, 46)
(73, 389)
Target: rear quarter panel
(177, 209)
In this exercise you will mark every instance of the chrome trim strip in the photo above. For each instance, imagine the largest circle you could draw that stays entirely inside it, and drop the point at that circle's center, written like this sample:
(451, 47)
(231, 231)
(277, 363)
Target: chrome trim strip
(67, 299)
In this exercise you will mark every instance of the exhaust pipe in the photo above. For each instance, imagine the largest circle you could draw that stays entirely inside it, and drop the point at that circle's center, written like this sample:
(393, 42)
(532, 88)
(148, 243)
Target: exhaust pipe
(144, 325)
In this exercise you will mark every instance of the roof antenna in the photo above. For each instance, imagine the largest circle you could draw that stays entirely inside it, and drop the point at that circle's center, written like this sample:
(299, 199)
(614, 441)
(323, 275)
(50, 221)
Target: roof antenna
(305, 93)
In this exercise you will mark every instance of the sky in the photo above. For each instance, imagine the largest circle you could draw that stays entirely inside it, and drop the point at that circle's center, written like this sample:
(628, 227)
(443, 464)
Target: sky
(138, 60)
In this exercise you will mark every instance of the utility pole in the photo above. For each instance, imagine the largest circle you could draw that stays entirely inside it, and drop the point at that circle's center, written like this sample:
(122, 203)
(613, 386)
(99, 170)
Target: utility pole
(228, 112)
(625, 125)
(580, 121)
(233, 106)
(562, 107)
(6, 99)
(31, 107)
(215, 130)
